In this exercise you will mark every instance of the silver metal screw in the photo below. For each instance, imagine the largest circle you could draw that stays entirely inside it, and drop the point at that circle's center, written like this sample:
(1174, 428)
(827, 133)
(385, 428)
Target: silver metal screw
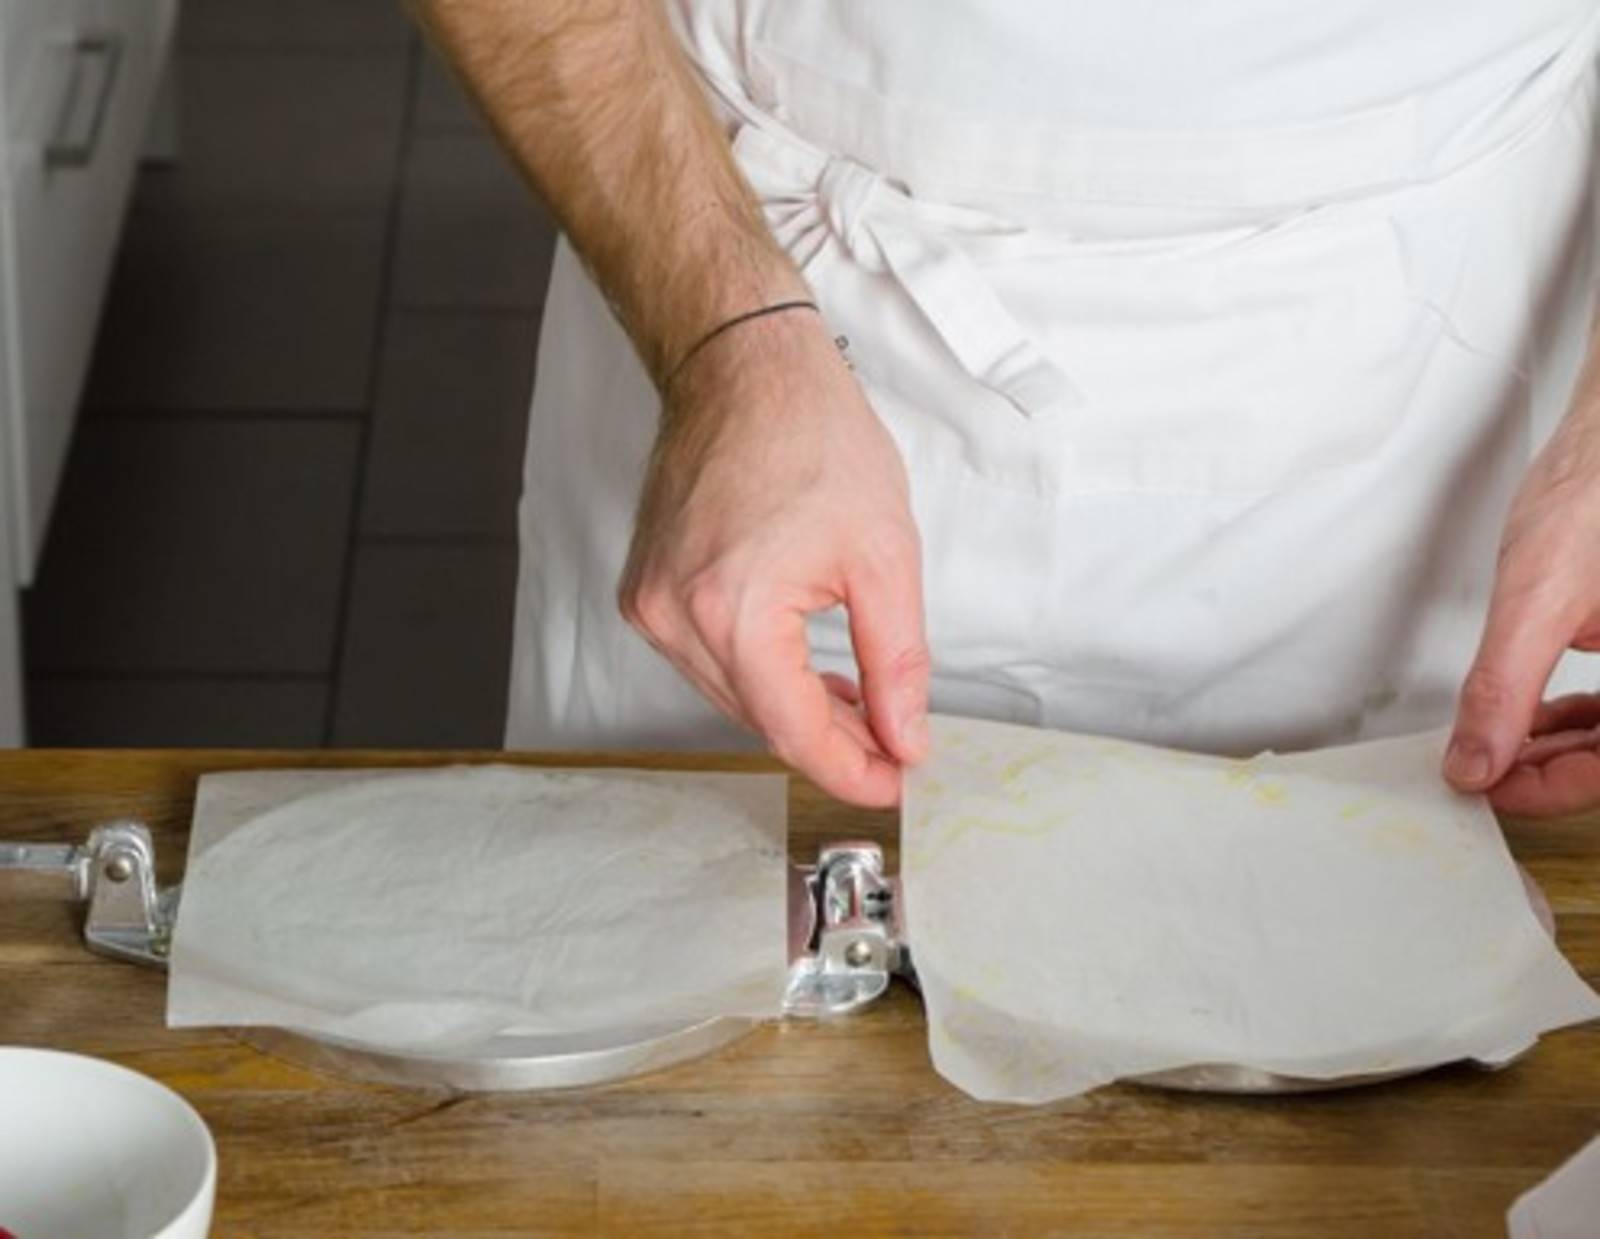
(119, 868)
(859, 953)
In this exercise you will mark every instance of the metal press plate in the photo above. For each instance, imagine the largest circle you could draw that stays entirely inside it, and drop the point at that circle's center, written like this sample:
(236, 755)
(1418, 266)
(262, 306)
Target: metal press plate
(505, 1064)
(541, 1063)
(530, 1064)
(512, 1063)
(1223, 1078)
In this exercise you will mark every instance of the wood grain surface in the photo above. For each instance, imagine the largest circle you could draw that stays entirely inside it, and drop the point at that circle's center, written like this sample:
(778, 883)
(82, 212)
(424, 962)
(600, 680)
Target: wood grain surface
(837, 1128)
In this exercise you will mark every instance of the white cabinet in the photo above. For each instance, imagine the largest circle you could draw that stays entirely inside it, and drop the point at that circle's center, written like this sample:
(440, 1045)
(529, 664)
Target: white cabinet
(78, 81)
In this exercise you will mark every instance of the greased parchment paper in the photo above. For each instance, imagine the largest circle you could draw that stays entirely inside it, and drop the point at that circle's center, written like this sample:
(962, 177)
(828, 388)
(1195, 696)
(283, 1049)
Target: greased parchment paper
(1083, 910)
(431, 910)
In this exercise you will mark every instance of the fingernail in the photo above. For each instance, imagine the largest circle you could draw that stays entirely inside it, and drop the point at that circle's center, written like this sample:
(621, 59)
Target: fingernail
(1467, 762)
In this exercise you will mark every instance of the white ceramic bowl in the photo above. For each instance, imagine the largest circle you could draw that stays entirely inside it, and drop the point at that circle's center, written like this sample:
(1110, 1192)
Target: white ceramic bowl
(90, 1150)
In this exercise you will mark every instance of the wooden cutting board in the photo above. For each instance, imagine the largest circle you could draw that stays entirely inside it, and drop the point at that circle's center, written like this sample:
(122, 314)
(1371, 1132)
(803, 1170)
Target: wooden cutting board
(833, 1128)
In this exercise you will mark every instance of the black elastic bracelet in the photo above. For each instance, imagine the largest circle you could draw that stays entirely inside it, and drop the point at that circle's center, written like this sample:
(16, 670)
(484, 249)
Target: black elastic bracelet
(716, 331)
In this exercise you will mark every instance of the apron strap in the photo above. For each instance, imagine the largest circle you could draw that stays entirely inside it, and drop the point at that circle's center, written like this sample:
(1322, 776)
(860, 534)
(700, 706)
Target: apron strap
(883, 229)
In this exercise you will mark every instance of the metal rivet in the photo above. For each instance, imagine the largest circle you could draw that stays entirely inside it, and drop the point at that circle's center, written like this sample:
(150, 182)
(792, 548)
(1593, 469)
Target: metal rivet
(859, 953)
(119, 868)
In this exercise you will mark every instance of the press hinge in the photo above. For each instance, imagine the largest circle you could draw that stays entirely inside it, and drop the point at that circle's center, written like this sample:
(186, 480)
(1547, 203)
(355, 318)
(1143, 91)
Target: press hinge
(846, 935)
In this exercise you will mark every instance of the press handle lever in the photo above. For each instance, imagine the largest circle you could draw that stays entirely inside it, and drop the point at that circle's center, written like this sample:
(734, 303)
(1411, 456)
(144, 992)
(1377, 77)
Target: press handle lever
(66, 859)
(115, 872)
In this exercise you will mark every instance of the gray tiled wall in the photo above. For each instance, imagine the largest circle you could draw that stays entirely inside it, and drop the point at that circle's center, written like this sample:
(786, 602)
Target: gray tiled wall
(288, 517)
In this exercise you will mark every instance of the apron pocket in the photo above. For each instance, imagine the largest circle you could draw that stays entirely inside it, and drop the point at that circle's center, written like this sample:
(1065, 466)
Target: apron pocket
(1251, 367)
(1231, 366)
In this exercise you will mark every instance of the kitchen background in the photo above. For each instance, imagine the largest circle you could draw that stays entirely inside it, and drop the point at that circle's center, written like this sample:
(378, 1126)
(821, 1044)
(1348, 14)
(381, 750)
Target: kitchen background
(288, 515)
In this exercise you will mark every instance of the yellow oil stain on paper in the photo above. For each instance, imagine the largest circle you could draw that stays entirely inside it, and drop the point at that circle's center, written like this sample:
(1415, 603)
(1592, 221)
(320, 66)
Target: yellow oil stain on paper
(1246, 776)
(973, 823)
(1018, 766)
(994, 972)
(1270, 793)
(1016, 1066)
(1398, 836)
(984, 988)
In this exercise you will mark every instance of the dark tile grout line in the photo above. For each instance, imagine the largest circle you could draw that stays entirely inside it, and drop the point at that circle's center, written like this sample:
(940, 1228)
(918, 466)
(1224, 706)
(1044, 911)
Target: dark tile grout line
(410, 131)
(331, 51)
(442, 541)
(425, 310)
(142, 413)
(464, 542)
(380, 335)
(251, 213)
(121, 675)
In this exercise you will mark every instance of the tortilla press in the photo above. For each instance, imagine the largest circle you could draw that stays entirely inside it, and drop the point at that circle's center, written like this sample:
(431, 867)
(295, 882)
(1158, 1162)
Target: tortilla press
(846, 943)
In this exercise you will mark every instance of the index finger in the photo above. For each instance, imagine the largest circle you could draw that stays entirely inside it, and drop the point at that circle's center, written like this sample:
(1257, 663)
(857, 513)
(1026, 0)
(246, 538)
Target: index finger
(1560, 785)
(790, 705)
(1574, 711)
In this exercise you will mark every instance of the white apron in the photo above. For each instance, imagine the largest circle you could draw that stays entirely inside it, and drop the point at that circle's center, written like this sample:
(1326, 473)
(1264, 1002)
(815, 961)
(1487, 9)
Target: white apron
(1211, 417)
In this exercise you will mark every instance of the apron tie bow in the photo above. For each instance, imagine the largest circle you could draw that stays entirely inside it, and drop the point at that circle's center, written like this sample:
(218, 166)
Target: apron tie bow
(846, 190)
(811, 196)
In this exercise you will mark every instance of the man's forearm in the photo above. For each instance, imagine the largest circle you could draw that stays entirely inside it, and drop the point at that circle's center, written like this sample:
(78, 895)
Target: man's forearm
(600, 110)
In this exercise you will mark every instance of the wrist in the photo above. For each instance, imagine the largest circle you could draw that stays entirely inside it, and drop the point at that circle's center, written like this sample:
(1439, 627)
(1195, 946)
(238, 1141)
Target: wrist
(710, 298)
(798, 305)
(754, 358)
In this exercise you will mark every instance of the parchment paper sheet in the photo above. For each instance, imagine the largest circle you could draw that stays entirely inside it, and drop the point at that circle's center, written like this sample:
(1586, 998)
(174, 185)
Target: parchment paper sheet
(1083, 910)
(431, 910)
(1564, 1206)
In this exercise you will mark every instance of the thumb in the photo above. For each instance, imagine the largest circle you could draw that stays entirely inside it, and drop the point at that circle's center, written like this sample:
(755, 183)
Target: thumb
(886, 628)
(1521, 643)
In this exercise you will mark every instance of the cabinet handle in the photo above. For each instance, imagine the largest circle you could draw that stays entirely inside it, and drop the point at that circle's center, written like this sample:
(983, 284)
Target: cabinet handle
(75, 146)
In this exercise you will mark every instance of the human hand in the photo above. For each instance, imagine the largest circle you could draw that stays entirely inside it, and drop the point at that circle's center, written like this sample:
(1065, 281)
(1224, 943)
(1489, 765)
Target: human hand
(774, 491)
(1539, 758)
(1557, 770)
